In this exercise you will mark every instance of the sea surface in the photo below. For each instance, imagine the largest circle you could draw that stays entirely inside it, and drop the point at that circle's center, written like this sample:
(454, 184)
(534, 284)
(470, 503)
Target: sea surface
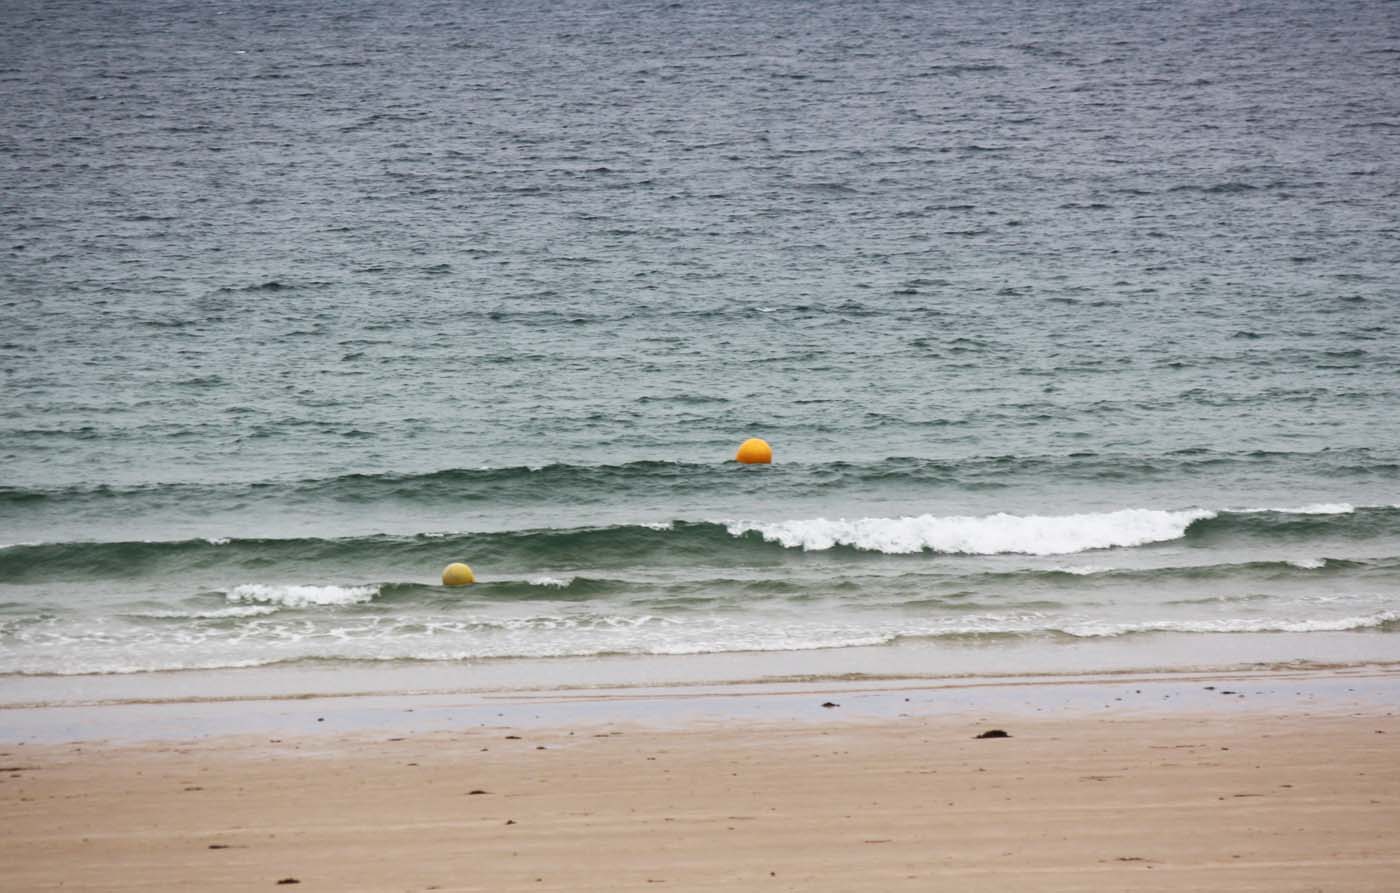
(1067, 322)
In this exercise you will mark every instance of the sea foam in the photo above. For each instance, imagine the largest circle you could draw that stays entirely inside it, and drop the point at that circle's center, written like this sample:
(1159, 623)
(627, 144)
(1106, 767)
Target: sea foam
(553, 582)
(1235, 625)
(990, 535)
(1308, 564)
(1321, 508)
(302, 596)
(215, 614)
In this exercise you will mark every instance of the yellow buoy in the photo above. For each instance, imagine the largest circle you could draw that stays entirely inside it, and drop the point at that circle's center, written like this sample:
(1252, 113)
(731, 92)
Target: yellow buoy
(754, 451)
(458, 574)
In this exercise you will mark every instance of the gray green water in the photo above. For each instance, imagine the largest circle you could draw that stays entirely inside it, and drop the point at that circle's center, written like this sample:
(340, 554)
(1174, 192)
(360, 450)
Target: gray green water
(1066, 322)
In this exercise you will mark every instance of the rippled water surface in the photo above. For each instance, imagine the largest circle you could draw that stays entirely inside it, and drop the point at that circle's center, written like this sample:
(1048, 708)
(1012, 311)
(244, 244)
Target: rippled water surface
(1064, 320)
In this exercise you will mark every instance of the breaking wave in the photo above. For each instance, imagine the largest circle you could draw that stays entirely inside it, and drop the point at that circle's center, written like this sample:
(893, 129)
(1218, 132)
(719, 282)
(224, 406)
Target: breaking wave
(690, 544)
(993, 535)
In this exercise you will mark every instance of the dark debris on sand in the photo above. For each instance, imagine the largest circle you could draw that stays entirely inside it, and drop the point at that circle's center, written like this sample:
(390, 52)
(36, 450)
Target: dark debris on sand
(995, 733)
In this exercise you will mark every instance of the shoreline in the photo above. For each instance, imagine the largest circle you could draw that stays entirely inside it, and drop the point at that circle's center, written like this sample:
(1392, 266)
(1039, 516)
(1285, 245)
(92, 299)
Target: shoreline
(667, 691)
(847, 699)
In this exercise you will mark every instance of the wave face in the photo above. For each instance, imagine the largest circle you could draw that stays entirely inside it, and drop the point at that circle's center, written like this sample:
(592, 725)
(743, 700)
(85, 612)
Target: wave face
(686, 543)
(694, 587)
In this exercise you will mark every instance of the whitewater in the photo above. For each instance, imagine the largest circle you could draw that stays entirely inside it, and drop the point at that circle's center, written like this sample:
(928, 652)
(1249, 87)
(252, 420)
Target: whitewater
(702, 587)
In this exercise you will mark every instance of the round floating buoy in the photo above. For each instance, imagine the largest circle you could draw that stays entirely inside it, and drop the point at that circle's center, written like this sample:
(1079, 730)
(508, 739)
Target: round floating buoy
(458, 574)
(754, 451)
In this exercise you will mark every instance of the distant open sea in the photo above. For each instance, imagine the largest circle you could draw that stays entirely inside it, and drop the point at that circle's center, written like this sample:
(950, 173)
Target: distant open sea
(1068, 323)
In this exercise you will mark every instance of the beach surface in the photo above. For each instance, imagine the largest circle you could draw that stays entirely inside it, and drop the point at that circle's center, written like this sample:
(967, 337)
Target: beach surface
(1278, 779)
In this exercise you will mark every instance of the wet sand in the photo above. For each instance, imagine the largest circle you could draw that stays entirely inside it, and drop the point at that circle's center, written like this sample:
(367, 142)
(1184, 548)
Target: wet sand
(1144, 784)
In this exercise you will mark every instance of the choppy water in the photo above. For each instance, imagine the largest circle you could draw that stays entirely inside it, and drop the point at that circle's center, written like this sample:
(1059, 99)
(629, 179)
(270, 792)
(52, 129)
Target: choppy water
(1064, 321)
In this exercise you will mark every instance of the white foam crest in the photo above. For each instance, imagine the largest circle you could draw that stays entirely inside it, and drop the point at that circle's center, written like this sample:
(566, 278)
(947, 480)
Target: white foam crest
(1308, 564)
(990, 535)
(554, 582)
(302, 596)
(1082, 570)
(1319, 508)
(217, 540)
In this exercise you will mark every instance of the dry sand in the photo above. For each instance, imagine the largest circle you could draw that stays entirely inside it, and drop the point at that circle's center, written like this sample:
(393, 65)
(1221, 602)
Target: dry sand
(1206, 801)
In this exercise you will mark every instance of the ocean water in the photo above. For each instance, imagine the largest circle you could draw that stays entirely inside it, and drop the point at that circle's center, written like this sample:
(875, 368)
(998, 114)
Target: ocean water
(1067, 322)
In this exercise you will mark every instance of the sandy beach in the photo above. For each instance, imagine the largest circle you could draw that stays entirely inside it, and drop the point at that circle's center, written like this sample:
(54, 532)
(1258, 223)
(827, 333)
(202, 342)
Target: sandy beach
(1190, 787)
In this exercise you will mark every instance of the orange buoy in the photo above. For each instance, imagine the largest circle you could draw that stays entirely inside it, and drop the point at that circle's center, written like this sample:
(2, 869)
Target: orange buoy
(458, 574)
(754, 451)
